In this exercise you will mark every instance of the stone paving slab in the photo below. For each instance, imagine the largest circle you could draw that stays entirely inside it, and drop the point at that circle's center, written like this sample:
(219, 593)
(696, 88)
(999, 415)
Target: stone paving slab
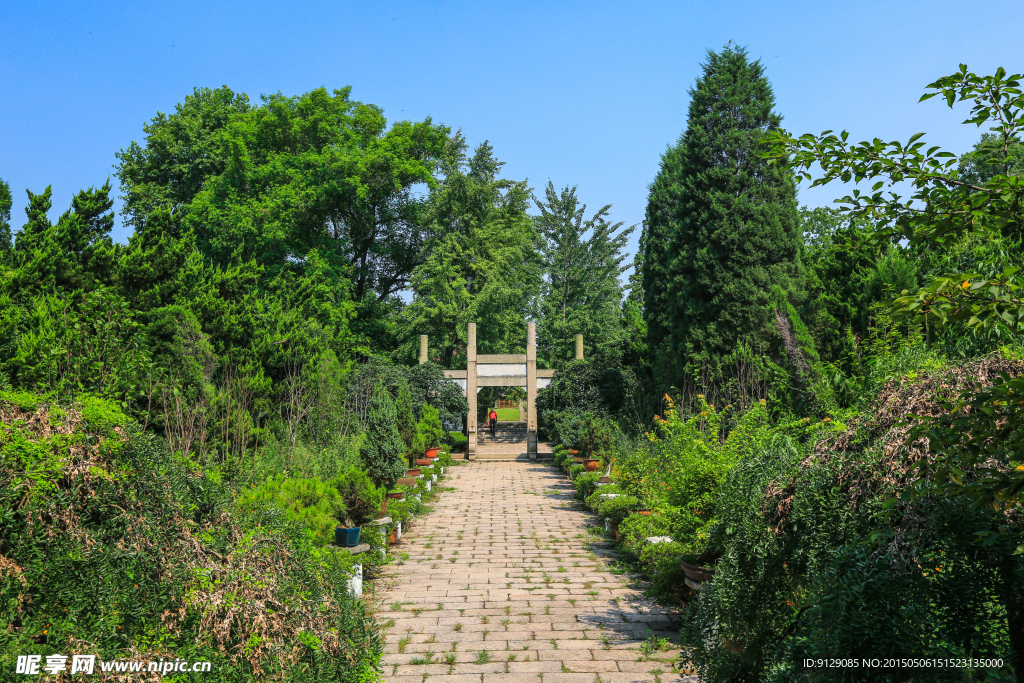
(502, 585)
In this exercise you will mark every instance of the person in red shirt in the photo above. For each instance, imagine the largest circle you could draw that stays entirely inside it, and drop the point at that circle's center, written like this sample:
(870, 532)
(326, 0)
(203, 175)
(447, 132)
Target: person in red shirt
(492, 420)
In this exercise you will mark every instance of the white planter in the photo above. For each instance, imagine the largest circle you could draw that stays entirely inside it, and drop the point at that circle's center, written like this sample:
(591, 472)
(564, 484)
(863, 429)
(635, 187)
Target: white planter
(607, 524)
(355, 582)
(398, 531)
(434, 479)
(428, 485)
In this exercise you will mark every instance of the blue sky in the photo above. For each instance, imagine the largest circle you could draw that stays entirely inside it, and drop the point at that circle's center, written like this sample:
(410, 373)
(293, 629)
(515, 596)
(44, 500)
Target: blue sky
(582, 93)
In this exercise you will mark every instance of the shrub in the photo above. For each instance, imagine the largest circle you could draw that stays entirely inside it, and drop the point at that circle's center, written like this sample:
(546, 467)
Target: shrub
(662, 563)
(585, 484)
(136, 551)
(593, 501)
(429, 432)
(458, 441)
(314, 504)
(360, 497)
(636, 529)
(381, 451)
(617, 509)
(597, 438)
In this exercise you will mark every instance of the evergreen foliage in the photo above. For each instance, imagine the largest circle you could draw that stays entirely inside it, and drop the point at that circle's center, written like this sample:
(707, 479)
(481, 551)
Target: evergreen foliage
(581, 293)
(481, 263)
(404, 415)
(729, 219)
(5, 219)
(382, 449)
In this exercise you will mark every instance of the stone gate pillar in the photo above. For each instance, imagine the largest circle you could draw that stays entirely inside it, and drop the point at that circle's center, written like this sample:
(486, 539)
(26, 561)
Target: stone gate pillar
(531, 390)
(471, 390)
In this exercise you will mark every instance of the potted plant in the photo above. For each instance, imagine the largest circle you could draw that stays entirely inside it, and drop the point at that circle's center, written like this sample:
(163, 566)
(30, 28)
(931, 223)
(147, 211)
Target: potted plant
(616, 510)
(429, 432)
(362, 502)
(697, 567)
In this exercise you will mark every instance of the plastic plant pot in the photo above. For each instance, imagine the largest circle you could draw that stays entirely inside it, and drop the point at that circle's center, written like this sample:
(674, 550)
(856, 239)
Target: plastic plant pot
(431, 452)
(347, 537)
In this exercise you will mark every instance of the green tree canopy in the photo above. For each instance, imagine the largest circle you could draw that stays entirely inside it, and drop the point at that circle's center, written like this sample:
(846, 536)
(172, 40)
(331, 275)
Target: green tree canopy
(274, 182)
(481, 264)
(582, 293)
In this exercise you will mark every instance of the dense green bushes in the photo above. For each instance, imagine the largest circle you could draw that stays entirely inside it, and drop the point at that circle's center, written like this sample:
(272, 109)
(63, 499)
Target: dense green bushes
(113, 546)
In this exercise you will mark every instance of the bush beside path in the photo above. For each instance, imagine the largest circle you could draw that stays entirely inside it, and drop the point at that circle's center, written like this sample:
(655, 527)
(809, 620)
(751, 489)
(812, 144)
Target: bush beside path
(502, 582)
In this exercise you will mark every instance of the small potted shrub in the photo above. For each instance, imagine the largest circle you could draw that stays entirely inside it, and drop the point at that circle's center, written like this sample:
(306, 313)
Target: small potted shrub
(429, 431)
(616, 510)
(362, 502)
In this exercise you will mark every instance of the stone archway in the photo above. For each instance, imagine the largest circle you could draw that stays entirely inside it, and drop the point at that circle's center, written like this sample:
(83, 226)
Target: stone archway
(501, 370)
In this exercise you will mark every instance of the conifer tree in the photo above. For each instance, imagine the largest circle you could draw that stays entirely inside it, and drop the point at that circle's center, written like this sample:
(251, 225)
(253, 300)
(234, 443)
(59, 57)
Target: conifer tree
(730, 218)
(406, 420)
(38, 222)
(581, 293)
(382, 447)
(5, 219)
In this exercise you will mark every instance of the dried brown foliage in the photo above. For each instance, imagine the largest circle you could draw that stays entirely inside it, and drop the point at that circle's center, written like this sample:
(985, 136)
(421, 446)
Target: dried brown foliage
(884, 431)
(243, 590)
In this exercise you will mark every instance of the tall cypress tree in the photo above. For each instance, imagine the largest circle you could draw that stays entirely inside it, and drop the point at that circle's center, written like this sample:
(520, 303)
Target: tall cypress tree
(733, 227)
(659, 226)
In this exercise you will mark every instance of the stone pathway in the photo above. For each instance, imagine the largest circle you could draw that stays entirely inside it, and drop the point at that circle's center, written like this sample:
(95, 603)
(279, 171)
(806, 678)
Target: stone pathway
(503, 584)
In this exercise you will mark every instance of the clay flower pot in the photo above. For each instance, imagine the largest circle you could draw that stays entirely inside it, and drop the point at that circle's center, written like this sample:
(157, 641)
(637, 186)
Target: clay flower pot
(423, 462)
(605, 480)
(398, 495)
(393, 537)
(698, 573)
(573, 451)
(591, 465)
(414, 472)
(431, 452)
(578, 459)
